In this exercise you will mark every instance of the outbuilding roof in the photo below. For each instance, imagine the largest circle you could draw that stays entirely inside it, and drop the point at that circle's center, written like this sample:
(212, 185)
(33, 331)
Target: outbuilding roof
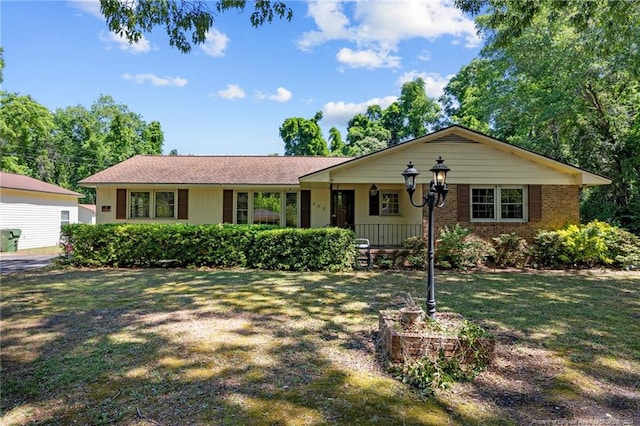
(26, 183)
(213, 170)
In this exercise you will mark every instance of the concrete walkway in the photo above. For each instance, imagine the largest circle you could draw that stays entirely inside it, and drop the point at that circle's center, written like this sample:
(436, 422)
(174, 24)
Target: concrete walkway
(16, 262)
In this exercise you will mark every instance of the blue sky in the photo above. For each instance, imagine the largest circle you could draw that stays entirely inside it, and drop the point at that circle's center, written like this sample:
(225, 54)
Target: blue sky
(231, 95)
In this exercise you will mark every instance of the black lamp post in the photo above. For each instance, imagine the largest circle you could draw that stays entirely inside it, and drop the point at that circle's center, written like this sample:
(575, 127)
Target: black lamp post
(435, 198)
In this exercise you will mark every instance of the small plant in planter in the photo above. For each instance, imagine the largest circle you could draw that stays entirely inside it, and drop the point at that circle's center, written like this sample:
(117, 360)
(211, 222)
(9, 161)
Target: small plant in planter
(412, 313)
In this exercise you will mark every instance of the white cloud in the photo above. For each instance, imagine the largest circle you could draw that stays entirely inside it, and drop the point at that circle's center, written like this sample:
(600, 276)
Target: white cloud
(367, 58)
(281, 95)
(89, 6)
(233, 91)
(332, 25)
(339, 113)
(215, 44)
(424, 55)
(377, 28)
(434, 83)
(111, 39)
(155, 80)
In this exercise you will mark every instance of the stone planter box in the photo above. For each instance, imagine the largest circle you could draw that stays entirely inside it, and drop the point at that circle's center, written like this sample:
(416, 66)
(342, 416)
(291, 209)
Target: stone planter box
(402, 346)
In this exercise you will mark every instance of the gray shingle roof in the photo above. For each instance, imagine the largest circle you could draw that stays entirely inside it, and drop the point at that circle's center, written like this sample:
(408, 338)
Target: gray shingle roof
(26, 183)
(214, 170)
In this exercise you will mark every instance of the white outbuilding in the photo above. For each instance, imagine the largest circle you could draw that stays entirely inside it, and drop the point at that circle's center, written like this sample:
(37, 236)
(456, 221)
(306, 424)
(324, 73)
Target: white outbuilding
(37, 209)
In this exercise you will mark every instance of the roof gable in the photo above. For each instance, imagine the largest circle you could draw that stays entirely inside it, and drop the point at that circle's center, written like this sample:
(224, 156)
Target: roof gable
(472, 156)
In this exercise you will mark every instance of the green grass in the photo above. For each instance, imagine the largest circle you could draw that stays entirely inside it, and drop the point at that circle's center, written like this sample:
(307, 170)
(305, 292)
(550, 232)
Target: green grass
(240, 347)
(39, 250)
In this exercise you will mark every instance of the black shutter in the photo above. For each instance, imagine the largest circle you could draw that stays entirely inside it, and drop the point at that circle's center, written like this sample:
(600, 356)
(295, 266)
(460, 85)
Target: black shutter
(374, 204)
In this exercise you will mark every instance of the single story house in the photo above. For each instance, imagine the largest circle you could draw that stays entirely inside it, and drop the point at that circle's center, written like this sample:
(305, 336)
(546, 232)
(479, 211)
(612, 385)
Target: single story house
(494, 188)
(36, 208)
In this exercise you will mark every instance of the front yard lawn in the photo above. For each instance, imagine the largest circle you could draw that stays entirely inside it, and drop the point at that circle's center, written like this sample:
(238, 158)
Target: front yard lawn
(243, 347)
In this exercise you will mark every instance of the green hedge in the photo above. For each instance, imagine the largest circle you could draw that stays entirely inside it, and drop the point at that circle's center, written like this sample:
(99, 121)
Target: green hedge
(303, 249)
(220, 246)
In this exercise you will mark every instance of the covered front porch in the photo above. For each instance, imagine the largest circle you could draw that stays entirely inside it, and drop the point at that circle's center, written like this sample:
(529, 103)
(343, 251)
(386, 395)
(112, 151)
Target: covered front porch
(387, 235)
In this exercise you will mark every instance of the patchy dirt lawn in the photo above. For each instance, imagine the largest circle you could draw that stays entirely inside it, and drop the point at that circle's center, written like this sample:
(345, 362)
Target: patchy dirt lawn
(176, 347)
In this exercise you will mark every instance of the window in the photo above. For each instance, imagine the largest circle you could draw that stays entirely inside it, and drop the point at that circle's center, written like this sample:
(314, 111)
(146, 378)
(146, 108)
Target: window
(266, 208)
(498, 203)
(152, 204)
(483, 203)
(390, 203)
(242, 208)
(291, 209)
(64, 217)
(511, 203)
(165, 204)
(139, 206)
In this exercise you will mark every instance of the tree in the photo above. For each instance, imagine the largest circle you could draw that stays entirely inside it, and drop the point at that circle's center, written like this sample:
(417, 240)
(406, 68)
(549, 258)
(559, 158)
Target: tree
(185, 22)
(392, 119)
(336, 142)
(419, 113)
(153, 138)
(90, 140)
(365, 133)
(303, 137)
(1, 64)
(615, 21)
(25, 137)
(72, 143)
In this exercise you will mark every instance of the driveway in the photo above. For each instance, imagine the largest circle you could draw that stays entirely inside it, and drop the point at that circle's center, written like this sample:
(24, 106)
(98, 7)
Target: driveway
(16, 262)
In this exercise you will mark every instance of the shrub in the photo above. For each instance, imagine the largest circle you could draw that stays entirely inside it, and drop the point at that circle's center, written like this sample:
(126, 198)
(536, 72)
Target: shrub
(624, 249)
(413, 253)
(510, 250)
(546, 249)
(457, 249)
(384, 260)
(593, 244)
(295, 249)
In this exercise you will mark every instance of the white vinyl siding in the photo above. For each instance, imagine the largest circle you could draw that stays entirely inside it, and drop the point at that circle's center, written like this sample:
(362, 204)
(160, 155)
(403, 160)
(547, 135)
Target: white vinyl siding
(38, 218)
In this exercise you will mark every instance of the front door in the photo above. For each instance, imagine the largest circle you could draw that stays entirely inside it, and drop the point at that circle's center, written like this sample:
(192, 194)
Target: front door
(342, 209)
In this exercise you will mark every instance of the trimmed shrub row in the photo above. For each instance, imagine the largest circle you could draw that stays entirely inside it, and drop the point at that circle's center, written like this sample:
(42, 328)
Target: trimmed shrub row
(220, 246)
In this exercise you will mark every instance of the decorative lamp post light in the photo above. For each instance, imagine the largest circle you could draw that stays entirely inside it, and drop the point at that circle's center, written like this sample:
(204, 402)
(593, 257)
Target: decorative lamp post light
(435, 198)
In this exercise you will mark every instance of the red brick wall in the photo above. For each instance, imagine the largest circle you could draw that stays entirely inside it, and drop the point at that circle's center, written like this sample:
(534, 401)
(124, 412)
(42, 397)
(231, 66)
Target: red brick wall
(560, 207)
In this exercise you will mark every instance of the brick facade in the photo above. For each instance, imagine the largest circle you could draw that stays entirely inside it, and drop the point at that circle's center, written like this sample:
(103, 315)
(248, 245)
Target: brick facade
(559, 203)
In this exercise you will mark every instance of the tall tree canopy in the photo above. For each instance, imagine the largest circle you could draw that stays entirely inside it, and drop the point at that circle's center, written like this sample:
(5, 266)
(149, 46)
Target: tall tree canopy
(73, 143)
(412, 115)
(545, 81)
(303, 137)
(25, 136)
(185, 22)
